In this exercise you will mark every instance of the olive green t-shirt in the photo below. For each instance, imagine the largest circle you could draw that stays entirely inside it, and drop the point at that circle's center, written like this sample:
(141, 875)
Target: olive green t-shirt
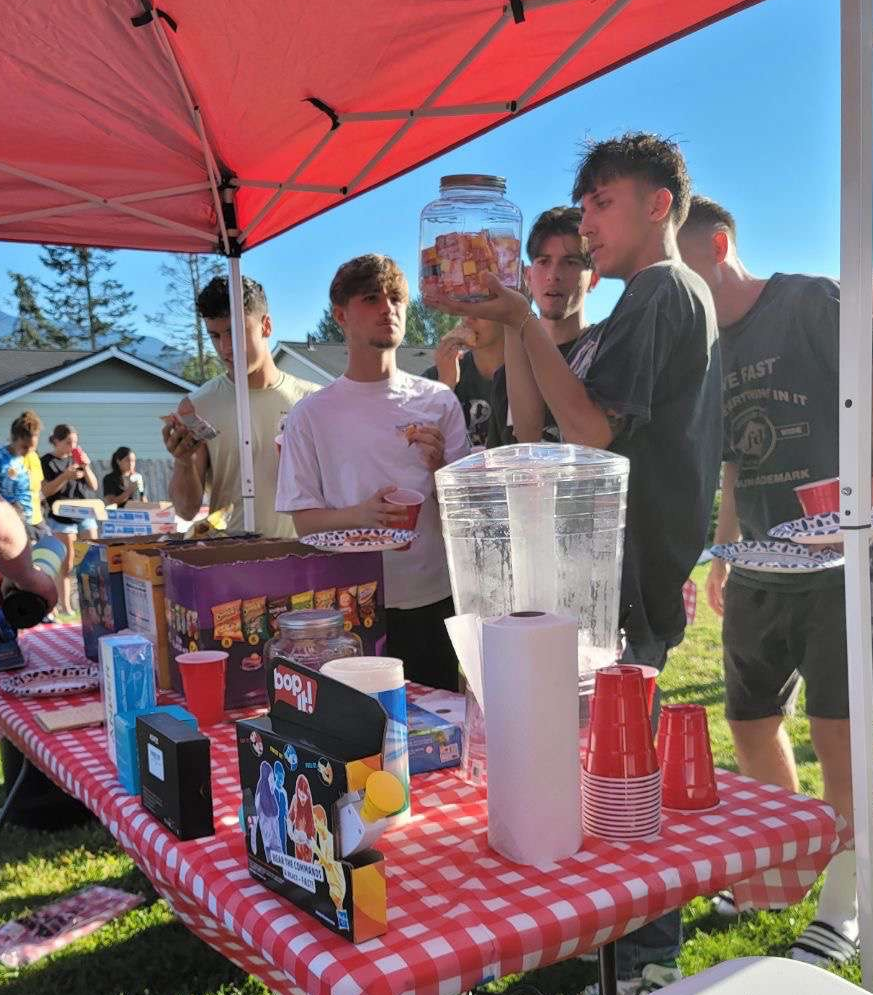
(216, 402)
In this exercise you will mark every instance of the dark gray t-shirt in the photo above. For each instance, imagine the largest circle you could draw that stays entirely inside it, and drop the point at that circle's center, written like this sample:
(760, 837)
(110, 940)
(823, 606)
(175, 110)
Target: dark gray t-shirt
(780, 366)
(657, 363)
(473, 390)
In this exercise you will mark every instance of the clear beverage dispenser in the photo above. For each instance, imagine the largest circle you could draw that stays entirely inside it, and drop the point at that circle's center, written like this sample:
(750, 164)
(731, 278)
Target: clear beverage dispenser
(538, 527)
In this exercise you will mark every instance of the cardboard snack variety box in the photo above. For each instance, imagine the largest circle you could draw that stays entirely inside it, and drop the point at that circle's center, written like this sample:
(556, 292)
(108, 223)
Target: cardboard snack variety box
(99, 573)
(143, 574)
(229, 598)
(314, 749)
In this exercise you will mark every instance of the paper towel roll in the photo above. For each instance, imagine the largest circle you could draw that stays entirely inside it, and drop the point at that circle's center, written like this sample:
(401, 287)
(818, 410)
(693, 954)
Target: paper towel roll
(381, 677)
(532, 731)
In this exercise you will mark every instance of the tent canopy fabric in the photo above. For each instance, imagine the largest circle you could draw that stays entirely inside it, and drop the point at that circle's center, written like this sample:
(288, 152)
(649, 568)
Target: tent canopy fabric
(173, 127)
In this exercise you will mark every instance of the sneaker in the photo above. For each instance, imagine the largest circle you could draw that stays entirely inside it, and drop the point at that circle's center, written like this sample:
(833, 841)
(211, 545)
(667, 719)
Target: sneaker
(654, 978)
(723, 904)
(823, 946)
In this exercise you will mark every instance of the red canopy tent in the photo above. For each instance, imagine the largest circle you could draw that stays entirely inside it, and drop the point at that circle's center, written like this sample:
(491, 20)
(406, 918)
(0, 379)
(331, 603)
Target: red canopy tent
(212, 126)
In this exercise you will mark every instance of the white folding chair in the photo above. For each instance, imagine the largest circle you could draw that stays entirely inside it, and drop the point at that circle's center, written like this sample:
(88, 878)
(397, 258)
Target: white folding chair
(763, 976)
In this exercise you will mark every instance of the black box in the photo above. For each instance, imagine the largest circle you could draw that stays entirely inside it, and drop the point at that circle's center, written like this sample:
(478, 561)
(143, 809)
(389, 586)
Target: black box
(176, 775)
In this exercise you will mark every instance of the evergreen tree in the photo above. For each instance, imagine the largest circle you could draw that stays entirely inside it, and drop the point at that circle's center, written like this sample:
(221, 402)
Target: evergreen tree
(424, 326)
(186, 274)
(199, 371)
(32, 329)
(327, 329)
(79, 297)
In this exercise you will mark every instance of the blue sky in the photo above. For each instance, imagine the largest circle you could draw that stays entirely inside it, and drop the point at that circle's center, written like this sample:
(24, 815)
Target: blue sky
(753, 101)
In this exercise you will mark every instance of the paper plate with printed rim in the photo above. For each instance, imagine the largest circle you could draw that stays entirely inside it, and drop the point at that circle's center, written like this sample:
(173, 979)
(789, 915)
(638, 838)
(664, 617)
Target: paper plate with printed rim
(777, 557)
(45, 682)
(813, 530)
(360, 540)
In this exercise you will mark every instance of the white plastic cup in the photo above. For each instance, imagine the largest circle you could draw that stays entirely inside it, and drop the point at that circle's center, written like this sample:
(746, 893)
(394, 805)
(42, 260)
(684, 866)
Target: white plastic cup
(381, 677)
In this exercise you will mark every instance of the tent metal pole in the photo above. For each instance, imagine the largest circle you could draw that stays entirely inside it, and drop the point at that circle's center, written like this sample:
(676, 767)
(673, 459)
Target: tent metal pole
(435, 94)
(105, 202)
(454, 110)
(197, 120)
(856, 340)
(241, 388)
(279, 185)
(608, 15)
(256, 220)
(130, 198)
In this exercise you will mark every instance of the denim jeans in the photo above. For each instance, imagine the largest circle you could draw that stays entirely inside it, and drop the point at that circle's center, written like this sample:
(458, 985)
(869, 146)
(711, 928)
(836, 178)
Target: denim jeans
(660, 939)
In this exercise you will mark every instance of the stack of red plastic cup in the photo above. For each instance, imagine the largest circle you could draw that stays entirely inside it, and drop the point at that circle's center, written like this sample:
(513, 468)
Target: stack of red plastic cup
(621, 782)
(687, 772)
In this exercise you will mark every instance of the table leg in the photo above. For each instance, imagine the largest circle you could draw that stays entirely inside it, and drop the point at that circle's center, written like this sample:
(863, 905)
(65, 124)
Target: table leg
(13, 790)
(606, 965)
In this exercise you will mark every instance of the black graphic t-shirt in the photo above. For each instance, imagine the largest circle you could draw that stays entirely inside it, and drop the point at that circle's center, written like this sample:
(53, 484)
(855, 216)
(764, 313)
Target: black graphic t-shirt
(780, 368)
(578, 354)
(74, 490)
(657, 363)
(474, 392)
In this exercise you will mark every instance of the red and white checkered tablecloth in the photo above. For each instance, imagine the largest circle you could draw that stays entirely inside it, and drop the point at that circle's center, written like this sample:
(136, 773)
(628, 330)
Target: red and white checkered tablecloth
(458, 912)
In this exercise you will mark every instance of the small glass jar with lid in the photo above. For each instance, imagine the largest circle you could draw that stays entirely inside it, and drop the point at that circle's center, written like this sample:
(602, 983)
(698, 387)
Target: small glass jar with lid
(470, 229)
(312, 636)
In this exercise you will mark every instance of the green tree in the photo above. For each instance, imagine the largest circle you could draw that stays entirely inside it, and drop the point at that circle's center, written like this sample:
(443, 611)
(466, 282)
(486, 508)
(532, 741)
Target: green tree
(327, 329)
(199, 371)
(32, 330)
(185, 275)
(424, 326)
(84, 296)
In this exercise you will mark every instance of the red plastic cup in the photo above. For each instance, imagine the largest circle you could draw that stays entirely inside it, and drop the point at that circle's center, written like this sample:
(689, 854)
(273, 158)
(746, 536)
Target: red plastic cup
(687, 772)
(203, 679)
(412, 502)
(820, 496)
(650, 681)
(77, 456)
(620, 735)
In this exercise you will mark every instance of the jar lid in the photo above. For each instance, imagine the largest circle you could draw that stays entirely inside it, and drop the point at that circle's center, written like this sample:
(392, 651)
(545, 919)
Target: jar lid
(473, 180)
(314, 623)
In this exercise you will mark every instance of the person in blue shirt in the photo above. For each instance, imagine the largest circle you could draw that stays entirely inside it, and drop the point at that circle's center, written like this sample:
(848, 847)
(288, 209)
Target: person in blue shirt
(15, 483)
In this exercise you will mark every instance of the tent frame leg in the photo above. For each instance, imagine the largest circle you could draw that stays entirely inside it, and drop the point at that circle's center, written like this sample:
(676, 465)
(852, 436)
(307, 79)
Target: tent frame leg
(241, 386)
(856, 338)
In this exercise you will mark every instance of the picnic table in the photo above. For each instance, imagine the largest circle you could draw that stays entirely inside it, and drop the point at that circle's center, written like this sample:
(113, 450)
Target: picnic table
(459, 913)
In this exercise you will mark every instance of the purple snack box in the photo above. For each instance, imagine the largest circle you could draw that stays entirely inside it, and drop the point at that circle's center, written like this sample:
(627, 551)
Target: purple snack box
(227, 598)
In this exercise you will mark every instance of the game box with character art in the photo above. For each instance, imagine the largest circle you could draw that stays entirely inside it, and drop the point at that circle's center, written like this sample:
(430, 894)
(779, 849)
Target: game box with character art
(308, 771)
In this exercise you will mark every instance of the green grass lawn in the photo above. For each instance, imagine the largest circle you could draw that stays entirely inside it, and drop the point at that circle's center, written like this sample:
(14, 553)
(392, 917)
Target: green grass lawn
(147, 952)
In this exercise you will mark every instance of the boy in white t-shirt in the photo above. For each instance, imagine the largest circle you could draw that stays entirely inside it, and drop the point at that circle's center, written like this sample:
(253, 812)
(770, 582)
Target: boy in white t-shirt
(373, 430)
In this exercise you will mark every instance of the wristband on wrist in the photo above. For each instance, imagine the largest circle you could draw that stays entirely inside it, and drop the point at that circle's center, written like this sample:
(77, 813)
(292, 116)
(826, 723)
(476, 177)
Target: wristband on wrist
(527, 318)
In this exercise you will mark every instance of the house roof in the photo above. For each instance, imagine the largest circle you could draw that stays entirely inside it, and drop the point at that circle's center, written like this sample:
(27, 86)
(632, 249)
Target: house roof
(333, 357)
(26, 370)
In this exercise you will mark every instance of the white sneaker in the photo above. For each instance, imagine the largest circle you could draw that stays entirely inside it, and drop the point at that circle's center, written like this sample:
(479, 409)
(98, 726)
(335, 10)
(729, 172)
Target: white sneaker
(655, 977)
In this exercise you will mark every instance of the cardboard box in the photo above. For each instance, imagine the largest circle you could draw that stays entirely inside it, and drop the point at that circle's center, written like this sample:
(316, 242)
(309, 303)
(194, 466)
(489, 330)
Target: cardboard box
(127, 679)
(149, 516)
(224, 598)
(126, 752)
(142, 570)
(110, 529)
(101, 587)
(99, 566)
(176, 775)
(434, 742)
(322, 741)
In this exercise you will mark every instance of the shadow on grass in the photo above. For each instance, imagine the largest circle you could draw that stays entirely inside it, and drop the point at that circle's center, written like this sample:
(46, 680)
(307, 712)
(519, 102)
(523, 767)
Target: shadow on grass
(568, 977)
(161, 960)
(133, 882)
(17, 843)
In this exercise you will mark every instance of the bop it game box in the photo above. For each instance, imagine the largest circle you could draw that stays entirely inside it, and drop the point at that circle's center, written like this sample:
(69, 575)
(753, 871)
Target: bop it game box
(321, 741)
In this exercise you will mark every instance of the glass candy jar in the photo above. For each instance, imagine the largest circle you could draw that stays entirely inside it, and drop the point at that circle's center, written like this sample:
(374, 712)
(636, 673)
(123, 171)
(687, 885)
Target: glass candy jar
(470, 229)
(312, 636)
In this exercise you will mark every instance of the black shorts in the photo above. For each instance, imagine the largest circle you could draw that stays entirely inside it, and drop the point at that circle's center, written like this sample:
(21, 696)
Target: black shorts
(771, 639)
(418, 636)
